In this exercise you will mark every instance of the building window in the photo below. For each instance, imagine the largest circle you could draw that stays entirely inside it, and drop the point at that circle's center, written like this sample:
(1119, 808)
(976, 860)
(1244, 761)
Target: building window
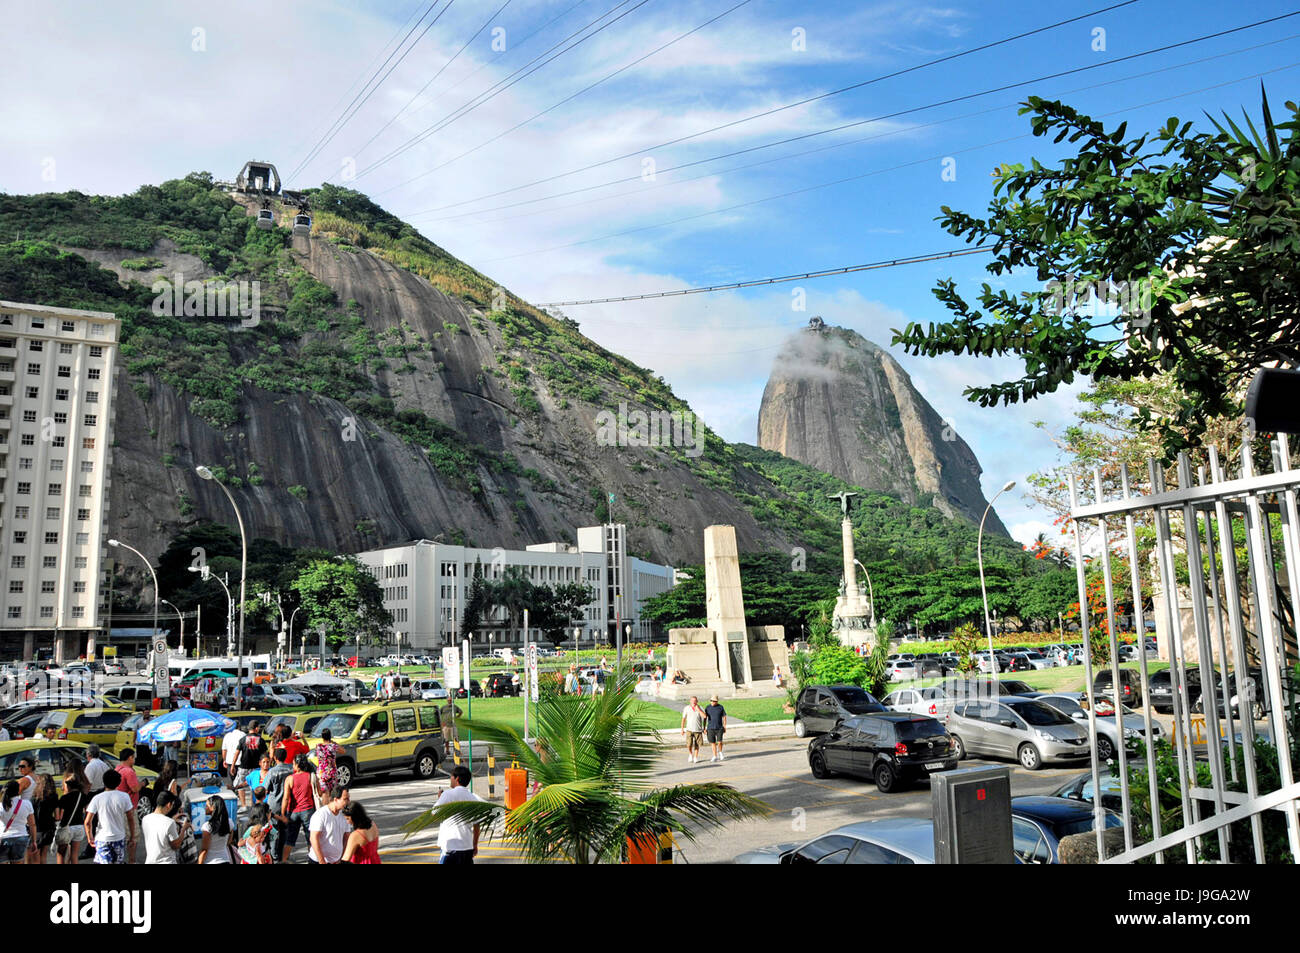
(56, 464)
(47, 586)
(79, 562)
(65, 347)
(15, 612)
(84, 491)
(69, 325)
(59, 441)
(17, 562)
(78, 612)
(93, 373)
(96, 350)
(64, 371)
(79, 587)
(51, 512)
(35, 345)
(60, 393)
(61, 417)
(20, 512)
(90, 420)
(28, 440)
(15, 585)
(29, 416)
(34, 368)
(38, 323)
(83, 514)
(87, 466)
(87, 443)
(47, 612)
(54, 489)
(24, 463)
(20, 537)
(24, 487)
(83, 539)
(49, 562)
(52, 539)
(33, 393)
(96, 330)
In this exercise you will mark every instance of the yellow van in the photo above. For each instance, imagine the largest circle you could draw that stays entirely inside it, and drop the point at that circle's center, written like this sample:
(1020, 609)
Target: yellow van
(99, 726)
(383, 737)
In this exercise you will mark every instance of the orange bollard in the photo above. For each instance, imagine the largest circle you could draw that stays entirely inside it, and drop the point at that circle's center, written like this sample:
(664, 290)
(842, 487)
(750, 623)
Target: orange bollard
(516, 786)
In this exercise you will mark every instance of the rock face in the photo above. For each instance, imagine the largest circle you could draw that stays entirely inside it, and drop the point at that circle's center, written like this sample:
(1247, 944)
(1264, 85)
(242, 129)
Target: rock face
(329, 477)
(839, 403)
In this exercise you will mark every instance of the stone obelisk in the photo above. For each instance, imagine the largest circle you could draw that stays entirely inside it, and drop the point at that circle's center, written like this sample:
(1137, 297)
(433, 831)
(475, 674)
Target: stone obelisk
(853, 619)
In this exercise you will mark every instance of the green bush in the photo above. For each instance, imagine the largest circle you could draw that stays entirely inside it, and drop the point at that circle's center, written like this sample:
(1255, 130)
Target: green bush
(299, 491)
(837, 665)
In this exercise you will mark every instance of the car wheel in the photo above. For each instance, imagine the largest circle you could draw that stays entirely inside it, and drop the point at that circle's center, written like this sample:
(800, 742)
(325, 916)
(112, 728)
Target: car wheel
(1030, 760)
(959, 748)
(886, 778)
(426, 765)
(817, 764)
(800, 729)
(145, 806)
(343, 774)
(1105, 749)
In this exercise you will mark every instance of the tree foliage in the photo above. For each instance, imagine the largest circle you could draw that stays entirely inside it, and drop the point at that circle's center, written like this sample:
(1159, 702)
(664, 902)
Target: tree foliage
(341, 595)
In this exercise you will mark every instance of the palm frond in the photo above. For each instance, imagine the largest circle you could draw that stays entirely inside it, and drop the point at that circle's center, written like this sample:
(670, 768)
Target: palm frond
(485, 813)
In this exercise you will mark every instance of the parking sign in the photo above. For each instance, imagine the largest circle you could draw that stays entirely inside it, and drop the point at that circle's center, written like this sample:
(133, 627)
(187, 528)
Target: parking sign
(451, 667)
(532, 671)
(162, 687)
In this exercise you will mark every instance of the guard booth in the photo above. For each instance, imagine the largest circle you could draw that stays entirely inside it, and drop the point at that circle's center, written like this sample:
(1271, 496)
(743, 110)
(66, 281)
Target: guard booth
(972, 816)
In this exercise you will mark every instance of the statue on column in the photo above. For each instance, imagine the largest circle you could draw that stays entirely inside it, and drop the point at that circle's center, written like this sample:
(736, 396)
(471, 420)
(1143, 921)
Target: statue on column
(852, 618)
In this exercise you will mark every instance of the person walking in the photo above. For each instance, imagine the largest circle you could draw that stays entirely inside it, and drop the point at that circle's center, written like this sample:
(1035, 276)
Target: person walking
(95, 768)
(27, 779)
(275, 783)
(457, 842)
(161, 834)
(693, 729)
(230, 745)
(70, 814)
(251, 749)
(298, 804)
(17, 826)
(328, 830)
(292, 745)
(110, 821)
(45, 802)
(447, 716)
(217, 829)
(131, 785)
(362, 846)
(327, 753)
(715, 724)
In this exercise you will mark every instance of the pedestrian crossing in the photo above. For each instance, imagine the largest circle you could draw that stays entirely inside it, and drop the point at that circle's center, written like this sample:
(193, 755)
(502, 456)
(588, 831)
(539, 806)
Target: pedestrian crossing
(487, 853)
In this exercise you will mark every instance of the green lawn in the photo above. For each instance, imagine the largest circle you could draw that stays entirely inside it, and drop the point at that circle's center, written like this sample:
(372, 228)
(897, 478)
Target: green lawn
(1067, 679)
(510, 711)
(757, 709)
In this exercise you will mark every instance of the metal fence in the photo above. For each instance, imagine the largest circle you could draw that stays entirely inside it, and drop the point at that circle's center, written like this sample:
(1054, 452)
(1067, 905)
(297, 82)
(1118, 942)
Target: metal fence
(1239, 612)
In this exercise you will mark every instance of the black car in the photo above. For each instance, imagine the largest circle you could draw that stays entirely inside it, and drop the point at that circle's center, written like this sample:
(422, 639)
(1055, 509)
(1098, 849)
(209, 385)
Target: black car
(23, 724)
(1130, 685)
(820, 708)
(475, 689)
(893, 748)
(501, 685)
(1039, 823)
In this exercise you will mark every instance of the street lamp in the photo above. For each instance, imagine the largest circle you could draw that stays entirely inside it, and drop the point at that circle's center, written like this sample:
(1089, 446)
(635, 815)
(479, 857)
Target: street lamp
(979, 555)
(230, 603)
(116, 543)
(206, 474)
(291, 618)
(182, 618)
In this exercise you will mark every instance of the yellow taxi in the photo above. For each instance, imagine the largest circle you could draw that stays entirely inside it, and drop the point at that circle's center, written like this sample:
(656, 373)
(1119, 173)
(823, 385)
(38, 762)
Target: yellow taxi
(98, 726)
(52, 757)
(383, 737)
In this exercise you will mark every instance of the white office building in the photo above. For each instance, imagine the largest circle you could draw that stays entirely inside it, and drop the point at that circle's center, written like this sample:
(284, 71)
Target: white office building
(426, 585)
(56, 433)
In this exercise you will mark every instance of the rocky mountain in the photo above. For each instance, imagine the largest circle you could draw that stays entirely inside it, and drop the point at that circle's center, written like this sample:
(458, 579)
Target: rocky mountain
(839, 403)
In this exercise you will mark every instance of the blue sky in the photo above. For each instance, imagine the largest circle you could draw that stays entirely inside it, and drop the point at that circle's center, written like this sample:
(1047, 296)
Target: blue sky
(104, 100)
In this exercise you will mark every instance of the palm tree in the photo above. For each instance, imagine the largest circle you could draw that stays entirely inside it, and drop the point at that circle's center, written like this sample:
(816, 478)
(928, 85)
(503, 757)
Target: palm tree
(595, 757)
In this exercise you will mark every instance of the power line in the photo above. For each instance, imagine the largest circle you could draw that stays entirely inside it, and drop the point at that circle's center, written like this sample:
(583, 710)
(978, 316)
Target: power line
(496, 89)
(793, 155)
(441, 69)
(902, 112)
(353, 110)
(585, 89)
(826, 272)
(777, 109)
(830, 272)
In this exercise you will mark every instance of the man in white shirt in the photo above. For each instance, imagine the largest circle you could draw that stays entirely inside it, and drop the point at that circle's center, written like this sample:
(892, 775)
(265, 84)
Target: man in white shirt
(457, 843)
(230, 745)
(162, 837)
(329, 829)
(95, 768)
(111, 810)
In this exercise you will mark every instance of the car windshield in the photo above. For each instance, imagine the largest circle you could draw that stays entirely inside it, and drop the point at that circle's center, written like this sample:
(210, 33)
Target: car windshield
(1082, 825)
(1061, 703)
(339, 724)
(1038, 714)
(855, 699)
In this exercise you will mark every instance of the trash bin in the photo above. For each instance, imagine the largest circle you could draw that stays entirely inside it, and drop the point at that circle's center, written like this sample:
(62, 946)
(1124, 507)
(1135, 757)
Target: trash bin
(516, 782)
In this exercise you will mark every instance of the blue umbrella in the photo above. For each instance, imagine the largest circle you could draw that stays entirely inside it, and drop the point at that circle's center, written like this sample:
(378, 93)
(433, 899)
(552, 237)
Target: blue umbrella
(184, 724)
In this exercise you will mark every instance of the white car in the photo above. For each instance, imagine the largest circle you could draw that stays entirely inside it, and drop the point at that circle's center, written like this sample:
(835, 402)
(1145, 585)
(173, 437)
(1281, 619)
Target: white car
(1038, 660)
(1067, 703)
(901, 670)
(428, 689)
(285, 695)
(920, 701)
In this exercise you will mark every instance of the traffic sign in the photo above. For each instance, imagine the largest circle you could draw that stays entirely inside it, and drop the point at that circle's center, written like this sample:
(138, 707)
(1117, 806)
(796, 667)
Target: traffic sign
(532, 671)
(451, 667)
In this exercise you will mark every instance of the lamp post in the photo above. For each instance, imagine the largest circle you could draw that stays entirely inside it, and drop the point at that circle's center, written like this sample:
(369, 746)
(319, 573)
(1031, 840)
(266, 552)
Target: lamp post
(116, 543)
(292, 615)
(230, 603)
(979, 555)
(206, 474)
(577, 636)
(182, 619)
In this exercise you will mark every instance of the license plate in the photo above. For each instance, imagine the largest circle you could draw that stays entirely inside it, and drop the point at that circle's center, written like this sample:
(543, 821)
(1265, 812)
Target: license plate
(934, 766)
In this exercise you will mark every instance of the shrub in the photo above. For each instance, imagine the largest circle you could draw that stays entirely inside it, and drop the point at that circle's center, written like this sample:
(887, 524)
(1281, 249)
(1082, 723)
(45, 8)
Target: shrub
(299, 491)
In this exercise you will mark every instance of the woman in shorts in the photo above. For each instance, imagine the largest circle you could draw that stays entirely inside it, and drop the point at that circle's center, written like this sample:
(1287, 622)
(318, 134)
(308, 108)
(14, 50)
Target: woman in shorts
(17, 825)
(70, 815)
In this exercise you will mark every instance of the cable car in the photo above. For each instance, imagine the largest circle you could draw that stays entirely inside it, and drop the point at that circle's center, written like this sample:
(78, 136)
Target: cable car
(302, 224)
(265, 218)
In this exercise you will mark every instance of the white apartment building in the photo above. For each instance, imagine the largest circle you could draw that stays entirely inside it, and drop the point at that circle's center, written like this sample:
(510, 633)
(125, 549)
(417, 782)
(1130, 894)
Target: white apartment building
(56, 432)
(426, 585)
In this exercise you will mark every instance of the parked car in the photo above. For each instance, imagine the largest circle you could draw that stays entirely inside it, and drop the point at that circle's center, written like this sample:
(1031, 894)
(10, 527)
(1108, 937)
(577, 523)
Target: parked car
(89, 725)
(902, 670)
(475, 689)
(1015, 727)
(919, 701)
(895, 840)
(137, 696)
(892, 748)
(1070, 704)
(114, 667)
(286, 697)
(380, 738)
(53, 757)
(1039, 823)
(820, 708)
(301, 723)
(429, 689)
(1254, 693)
(24, 723)
(501, 685)
(1130, 685)
(1079, 788)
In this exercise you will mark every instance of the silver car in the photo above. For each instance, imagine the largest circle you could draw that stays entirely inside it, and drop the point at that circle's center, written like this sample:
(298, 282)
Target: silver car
(429, 689)
(1135, 726)
(897, 840)
(920, 701)
(1016, 727)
